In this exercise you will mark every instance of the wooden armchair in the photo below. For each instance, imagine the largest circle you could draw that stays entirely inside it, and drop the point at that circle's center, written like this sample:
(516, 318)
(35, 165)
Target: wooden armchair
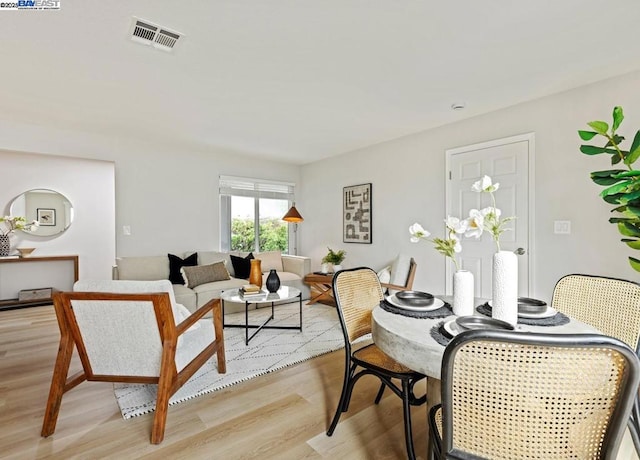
(408, 285)
(133, 338)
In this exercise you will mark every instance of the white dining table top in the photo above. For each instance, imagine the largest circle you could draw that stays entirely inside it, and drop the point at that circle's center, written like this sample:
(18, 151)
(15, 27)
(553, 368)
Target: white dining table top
(408, 340)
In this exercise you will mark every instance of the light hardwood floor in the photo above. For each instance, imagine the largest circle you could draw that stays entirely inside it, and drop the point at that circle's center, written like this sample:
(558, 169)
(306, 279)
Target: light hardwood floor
(282, 415)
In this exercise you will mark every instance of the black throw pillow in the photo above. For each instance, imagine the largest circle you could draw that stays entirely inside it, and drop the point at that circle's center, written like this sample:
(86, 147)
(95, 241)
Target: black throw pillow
(176, 263)
(241, 265)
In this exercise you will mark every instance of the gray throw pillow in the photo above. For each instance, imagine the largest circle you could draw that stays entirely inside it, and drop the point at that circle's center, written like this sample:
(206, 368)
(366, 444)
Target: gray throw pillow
(201, 274)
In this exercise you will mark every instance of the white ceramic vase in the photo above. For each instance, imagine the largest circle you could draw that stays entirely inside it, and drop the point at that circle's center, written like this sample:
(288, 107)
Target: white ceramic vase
(505, 287)
(325, 268)
(337, 268)
(463, 293)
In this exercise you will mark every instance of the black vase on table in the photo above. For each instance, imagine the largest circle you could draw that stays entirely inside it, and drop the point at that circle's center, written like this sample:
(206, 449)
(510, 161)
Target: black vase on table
(273, 281)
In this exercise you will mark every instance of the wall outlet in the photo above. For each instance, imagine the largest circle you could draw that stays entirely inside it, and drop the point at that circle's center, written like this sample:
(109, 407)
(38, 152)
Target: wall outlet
(562, 227)
(126, 230)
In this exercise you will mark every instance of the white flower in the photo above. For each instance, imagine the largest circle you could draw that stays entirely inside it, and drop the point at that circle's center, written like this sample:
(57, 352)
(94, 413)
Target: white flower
(455, 226)
(475, 224)
(485, 185)
(418, 233)
(491, 213)
(457, 246)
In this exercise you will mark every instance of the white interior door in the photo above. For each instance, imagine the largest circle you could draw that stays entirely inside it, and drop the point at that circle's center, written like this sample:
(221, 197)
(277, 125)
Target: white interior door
(508, 162)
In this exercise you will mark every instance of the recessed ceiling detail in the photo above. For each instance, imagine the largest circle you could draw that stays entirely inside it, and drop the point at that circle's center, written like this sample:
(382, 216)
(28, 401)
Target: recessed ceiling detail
(148, 33)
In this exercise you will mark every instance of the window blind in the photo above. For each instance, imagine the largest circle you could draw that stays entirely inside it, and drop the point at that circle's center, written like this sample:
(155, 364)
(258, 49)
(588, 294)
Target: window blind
(257, 188)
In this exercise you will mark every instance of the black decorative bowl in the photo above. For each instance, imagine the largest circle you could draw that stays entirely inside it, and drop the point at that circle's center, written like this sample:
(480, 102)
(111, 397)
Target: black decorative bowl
(415, 298)
(482, 322)
(527, 305)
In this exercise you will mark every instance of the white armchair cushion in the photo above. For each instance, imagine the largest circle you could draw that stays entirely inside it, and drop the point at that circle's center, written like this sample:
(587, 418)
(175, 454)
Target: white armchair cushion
(180, 312)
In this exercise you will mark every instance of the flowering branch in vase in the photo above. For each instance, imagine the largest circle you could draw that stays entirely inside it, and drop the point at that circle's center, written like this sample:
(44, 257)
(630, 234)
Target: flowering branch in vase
(17, 223)
(487, 219)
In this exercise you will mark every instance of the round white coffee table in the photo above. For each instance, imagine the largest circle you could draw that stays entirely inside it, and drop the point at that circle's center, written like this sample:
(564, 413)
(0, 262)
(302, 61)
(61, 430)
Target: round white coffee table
(283, 294)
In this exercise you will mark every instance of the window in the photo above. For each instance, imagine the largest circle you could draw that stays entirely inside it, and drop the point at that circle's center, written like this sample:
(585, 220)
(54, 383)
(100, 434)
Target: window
(251, 213)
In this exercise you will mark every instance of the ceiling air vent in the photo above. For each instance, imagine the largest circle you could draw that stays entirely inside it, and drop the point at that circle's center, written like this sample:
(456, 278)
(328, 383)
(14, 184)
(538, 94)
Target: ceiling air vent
(147, 33)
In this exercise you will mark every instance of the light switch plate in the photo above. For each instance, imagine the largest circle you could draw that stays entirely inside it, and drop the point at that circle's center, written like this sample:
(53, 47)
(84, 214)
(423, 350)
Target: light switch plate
(562, 227)
(126, 230)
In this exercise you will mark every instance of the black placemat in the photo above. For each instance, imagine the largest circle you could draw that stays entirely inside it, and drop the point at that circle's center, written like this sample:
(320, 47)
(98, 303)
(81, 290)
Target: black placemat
(437, 334)
(441, 312)
(558, 319)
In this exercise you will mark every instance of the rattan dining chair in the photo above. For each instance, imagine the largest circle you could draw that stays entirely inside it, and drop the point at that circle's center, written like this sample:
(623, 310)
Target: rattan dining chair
(613, 307)
(357, 291)
(513, 395)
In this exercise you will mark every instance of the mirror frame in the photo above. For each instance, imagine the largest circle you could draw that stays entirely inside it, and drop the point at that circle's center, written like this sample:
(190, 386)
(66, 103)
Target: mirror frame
(54, 211)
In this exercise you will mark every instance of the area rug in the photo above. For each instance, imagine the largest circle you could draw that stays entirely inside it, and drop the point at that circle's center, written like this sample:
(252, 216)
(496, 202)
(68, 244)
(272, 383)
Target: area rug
(269, 351)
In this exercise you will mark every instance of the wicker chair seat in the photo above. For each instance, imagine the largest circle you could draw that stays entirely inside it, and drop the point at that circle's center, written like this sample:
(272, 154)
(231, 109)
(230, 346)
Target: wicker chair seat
(375, 357)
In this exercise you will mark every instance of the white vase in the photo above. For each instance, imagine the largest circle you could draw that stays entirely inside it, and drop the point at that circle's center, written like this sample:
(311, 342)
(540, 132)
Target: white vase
(505, 287)
(325, 268)
(463, 293)
(337, 268)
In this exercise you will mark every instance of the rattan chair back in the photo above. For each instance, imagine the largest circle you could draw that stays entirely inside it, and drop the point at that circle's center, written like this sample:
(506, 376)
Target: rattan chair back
(357, 293)
(512, 395)
(611, 305)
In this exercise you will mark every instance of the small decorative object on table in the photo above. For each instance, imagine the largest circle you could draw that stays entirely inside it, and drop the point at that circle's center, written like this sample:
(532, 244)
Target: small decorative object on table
(273, 281)
(462, 279)
(12, 224)
(505, 263)
(25, 252)
(334, 258)
(255, 273)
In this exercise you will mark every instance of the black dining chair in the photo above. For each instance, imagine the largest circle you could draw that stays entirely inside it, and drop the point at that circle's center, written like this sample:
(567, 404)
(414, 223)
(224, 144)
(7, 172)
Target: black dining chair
(511, 394)
(357, 291)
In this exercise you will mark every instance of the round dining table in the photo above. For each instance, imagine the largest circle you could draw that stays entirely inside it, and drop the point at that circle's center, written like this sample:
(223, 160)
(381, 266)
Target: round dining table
(408, 340)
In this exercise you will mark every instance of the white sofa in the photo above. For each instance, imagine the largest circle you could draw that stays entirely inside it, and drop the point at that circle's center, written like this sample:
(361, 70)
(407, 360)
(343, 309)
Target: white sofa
(294, 269)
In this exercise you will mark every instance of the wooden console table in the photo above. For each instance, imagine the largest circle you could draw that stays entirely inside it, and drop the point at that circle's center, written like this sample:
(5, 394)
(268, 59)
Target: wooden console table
(9, 262)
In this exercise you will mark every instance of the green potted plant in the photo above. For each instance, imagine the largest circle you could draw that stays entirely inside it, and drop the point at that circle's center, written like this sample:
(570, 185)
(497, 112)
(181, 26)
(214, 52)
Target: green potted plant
(334, 258)
(622, 185)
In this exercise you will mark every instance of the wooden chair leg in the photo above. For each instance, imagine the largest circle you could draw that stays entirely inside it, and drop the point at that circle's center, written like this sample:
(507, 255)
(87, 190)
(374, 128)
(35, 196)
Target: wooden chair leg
(165, 389)
(58, 383)
(219, 330)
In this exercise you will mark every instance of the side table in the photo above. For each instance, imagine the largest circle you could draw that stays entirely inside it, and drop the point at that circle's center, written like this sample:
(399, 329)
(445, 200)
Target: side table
(321, 286)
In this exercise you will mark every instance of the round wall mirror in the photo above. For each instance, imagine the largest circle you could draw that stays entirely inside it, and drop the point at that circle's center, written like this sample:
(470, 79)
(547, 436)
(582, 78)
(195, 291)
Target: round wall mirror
(51, 209)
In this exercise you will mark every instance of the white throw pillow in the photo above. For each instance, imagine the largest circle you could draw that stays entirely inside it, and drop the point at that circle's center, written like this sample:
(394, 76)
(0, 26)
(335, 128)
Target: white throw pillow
(400, 271)
(270, 260)
(384, 275)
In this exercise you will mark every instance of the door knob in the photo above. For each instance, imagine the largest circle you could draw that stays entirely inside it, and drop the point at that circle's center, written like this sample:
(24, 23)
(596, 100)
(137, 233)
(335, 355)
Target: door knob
(520, 251)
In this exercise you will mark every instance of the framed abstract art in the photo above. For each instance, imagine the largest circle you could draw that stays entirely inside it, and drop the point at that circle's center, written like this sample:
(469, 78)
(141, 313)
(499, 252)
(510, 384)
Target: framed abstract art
(356, 214)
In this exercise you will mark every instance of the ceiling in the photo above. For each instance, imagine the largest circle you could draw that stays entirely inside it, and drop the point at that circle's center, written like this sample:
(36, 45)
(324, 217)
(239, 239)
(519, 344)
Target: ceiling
(298, 80)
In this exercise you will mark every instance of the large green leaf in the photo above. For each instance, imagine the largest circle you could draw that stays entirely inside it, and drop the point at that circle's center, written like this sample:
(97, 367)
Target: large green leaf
(613, 199)
(634, 244)
(617, 188)
(627, 229)
(626, 198)
(619, 209)
(629, 220)
(634, 151)
(607, 172)
(635, 264)
(587, 135)
(618, 116)
(605, 180)
(599, 126)
(623, 173)
(595, 150)
(615, 159)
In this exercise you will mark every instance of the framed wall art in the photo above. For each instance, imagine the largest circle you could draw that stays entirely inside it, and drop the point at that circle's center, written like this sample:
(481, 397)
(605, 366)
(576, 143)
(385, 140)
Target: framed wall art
(47, 217)
(356, 215)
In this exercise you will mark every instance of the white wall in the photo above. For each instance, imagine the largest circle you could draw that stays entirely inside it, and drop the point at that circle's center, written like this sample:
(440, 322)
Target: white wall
(408, 177)
(89, 186)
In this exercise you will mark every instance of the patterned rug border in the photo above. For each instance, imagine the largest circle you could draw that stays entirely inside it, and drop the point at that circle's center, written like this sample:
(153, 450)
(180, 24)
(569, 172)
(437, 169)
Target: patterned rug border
(313, 316)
